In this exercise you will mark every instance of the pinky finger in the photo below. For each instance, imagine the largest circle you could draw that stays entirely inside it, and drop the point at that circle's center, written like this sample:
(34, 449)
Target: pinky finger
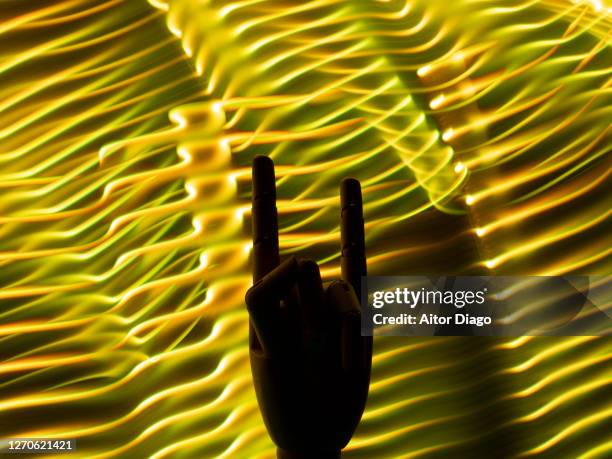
(342, 300)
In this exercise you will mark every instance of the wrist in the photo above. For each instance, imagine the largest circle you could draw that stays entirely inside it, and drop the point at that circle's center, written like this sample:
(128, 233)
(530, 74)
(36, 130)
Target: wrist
(284, 454)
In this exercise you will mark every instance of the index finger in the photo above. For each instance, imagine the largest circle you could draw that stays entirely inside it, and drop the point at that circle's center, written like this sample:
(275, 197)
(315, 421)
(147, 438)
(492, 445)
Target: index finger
(265, 218)
(353, 257)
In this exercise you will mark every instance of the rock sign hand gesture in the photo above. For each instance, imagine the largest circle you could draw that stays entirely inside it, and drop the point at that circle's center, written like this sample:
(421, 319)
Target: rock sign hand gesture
(310, 364)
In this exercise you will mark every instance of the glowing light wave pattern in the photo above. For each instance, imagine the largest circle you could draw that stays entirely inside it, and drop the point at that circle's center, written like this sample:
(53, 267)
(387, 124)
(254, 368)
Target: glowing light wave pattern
(480, 131)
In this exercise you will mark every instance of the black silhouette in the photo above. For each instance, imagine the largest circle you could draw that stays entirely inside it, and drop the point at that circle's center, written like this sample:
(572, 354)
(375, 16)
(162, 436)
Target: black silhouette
(310, 364)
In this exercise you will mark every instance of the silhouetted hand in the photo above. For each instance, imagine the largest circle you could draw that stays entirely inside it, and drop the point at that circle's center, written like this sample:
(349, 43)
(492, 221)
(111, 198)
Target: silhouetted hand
(310, 364)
